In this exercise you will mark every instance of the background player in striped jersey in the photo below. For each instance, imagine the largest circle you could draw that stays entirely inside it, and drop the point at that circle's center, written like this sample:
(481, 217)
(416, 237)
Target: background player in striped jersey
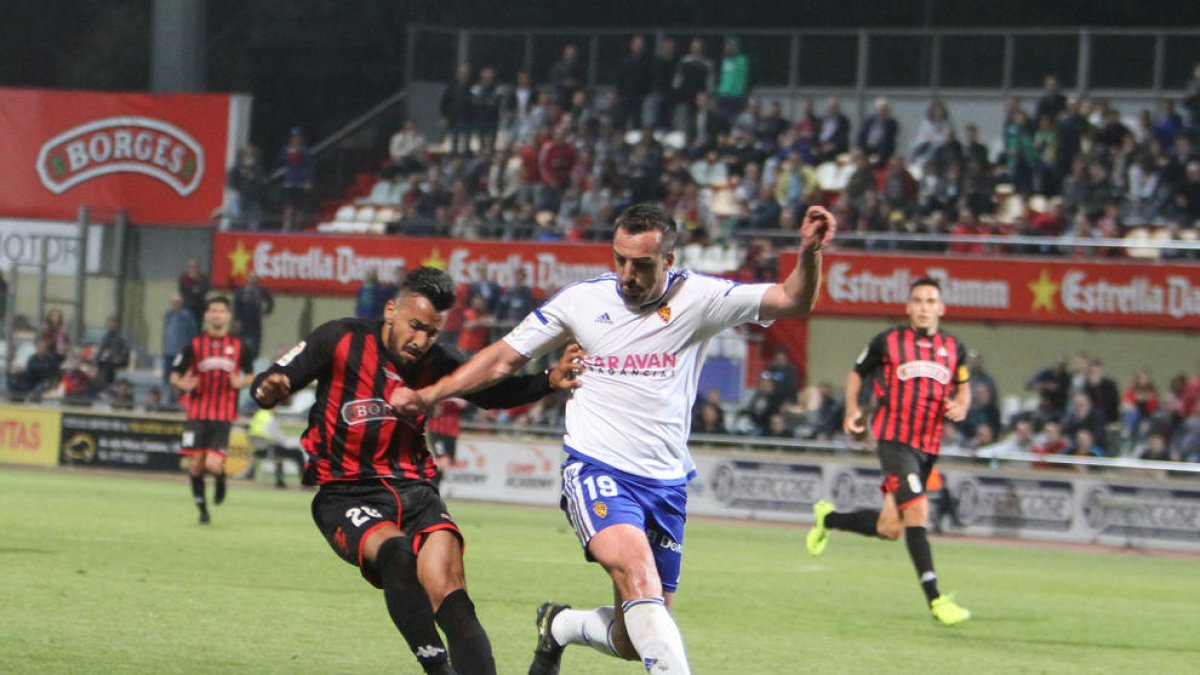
(921, 381)
(646, 330)
(376, 506)
(210, 370)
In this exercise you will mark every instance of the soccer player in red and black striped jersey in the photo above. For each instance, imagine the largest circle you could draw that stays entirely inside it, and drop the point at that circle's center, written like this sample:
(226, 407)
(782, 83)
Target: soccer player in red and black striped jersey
(210, 370)
(921, 381)
(376, 505)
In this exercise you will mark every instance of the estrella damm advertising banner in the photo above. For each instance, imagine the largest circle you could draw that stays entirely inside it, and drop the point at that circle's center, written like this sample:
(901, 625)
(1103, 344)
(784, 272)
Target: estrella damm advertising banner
(29, 435)
(336, 265)
(161, 157)
(1074, 292)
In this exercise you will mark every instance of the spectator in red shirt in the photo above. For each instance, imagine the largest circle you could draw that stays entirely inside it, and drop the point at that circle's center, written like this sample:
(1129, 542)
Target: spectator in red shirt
(476, 327)
(1139, 403)
(968, 224)
(1052, 442)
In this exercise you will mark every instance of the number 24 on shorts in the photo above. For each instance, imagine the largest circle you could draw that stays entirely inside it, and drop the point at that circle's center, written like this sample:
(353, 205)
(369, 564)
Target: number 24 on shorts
(361, 514)
(603, 486)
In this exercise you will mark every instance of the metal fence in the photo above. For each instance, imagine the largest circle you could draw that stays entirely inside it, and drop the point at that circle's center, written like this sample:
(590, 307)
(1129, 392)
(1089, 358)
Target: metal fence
(1099, 61)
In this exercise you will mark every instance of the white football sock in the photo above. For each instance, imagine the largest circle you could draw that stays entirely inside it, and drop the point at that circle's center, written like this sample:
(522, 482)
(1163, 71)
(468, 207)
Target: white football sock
(592, 628)
(655, 636)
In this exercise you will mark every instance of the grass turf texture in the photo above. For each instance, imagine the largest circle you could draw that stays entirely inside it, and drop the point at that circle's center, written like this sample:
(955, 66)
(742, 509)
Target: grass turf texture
(105, 573)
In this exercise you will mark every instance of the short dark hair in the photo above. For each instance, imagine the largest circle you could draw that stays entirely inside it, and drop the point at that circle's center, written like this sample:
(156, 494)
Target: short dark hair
(646, 217)
(217, 300)
(925, 281)
(434, 284)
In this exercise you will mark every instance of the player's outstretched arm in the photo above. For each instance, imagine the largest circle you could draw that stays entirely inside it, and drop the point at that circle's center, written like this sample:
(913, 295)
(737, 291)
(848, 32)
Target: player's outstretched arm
(492, 364)
(852, 423)
(797, 294)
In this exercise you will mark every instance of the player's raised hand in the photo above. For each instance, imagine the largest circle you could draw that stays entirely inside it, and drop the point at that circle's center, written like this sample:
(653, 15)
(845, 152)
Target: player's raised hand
(817, 228)
(852, 422)
(273, 389)
(407, 404)
(565, 374)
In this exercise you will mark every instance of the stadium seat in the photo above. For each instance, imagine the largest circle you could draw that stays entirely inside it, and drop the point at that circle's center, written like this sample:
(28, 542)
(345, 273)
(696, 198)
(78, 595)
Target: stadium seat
(1139, 234)
(386, 215)
(344, 214)
(365, 214)
(1011, 209)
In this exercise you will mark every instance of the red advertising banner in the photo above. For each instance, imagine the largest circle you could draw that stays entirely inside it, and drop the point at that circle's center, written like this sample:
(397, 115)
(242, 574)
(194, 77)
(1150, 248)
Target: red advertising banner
(161, 157)
(1109, 294)
(337, 264)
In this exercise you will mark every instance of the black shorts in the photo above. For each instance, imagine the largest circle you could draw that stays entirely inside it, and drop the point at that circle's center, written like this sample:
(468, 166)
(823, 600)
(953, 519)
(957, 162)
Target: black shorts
(346, 513)
(905, 471)
(443, 446)
(201, 436)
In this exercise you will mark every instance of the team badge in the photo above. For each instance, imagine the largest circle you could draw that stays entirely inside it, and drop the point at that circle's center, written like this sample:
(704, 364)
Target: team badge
(229, 350)
(664, 313)
(942, 352)
(600, 509)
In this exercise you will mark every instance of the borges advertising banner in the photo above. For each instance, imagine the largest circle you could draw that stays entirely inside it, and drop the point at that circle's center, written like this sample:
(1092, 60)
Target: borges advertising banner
(338, 264)
(162, 157)
(1074, 292)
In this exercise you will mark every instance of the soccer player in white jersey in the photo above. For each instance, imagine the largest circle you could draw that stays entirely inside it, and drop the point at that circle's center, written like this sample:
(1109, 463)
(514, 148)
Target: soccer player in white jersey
(645, 329)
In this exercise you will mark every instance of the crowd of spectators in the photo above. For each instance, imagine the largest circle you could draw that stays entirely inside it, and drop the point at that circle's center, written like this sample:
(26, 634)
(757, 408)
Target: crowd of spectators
(550, 160)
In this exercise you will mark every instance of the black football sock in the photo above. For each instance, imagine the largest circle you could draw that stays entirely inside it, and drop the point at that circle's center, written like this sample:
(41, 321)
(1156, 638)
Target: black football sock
(219, 492)
(470, 649)
(408, 604)
(922, 559)
(198, 493)
(862, 522)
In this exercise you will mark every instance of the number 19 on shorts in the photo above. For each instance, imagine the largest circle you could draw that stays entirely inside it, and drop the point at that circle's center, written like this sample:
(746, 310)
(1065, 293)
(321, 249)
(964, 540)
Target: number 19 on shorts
(600, 486)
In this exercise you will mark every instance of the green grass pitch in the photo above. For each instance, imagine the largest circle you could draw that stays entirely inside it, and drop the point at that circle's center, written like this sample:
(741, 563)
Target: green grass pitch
(104, 573)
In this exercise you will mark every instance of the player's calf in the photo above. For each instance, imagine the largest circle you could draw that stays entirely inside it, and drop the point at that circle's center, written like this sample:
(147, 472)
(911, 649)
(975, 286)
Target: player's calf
(408, 604)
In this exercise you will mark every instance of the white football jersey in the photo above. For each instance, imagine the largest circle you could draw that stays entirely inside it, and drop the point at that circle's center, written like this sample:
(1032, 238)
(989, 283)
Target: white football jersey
(634, 410)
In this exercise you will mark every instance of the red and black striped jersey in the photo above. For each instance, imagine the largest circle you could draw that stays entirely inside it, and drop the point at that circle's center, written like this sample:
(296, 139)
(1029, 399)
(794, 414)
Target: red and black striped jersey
(213, 360)
(353, 434)
(916, 374)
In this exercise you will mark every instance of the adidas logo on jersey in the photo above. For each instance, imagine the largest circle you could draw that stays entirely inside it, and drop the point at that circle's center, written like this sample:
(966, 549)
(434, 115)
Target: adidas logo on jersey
(604, 318)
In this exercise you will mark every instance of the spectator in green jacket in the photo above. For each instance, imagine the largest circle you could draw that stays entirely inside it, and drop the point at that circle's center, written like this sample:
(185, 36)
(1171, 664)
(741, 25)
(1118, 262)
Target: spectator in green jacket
(735, 80)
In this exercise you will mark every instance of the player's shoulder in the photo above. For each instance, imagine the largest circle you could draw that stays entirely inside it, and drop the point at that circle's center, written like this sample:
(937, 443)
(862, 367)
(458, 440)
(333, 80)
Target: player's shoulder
(596, 290)
(887, 333)
(948, 337)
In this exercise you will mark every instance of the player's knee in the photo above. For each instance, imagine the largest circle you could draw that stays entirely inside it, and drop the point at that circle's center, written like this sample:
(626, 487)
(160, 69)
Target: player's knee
(889, 530)
(396, 562)
(636, 578)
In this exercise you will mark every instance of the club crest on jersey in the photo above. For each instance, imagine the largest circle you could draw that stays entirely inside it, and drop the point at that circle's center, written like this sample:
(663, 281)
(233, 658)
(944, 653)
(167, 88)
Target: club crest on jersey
(367, 409)
(600, 509)
(927, 369)
(664, 313)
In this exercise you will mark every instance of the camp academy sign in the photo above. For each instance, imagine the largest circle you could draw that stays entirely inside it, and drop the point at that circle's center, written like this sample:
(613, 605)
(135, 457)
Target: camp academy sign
(127, 144)
(313, 263)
